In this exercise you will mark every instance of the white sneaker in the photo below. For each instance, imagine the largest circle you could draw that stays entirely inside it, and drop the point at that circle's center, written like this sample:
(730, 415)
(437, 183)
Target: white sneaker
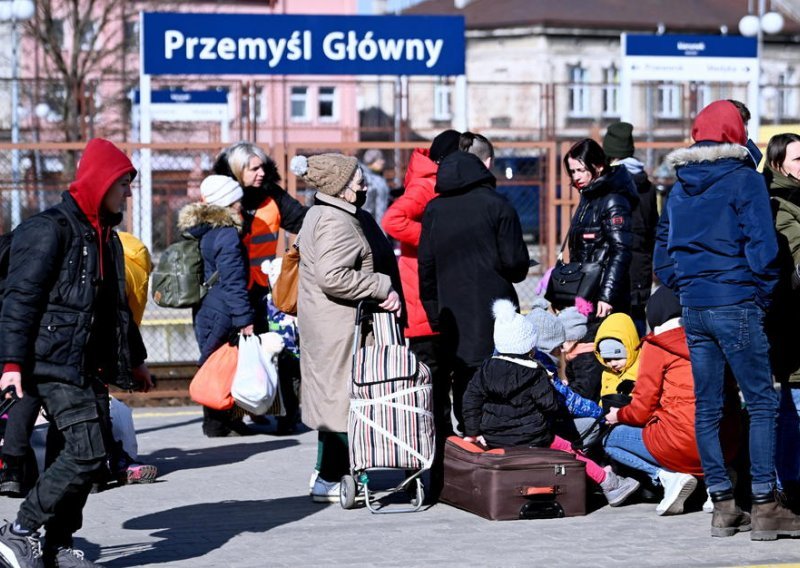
(325, 491)
(677, 488)
(312, 481)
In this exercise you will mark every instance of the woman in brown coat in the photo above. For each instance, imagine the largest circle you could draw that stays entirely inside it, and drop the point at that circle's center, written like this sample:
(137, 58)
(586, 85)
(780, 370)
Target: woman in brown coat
(338, 268)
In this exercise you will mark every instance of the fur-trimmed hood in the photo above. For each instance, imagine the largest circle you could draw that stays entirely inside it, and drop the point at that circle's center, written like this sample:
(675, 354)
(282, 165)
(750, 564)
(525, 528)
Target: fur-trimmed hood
(704, 164)
(212, 216)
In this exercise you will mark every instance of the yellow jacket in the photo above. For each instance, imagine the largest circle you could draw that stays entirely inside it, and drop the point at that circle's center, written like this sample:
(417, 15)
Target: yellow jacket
(138, 266)
(621, 328)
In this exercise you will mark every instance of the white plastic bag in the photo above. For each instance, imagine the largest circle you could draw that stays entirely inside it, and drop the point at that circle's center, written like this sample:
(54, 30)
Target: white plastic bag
(256, 380)
(122, 428)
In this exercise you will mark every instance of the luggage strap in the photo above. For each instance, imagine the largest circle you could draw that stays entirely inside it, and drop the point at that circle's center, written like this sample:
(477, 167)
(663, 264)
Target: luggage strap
(530, 490)
(356, 407)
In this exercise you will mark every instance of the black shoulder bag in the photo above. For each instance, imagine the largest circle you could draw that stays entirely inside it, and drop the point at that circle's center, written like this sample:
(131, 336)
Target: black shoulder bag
(572, 279)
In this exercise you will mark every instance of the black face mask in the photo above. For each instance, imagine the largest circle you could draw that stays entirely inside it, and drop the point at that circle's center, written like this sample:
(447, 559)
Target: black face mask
(361, 199)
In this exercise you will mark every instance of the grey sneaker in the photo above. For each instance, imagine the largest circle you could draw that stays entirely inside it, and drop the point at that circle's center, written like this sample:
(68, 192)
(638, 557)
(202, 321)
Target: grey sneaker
(617, 489)
(71, 558)
(20, 551)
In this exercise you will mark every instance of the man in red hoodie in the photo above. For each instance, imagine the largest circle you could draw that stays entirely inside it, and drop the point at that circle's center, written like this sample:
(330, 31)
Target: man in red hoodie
(403, 222)
(66, 331)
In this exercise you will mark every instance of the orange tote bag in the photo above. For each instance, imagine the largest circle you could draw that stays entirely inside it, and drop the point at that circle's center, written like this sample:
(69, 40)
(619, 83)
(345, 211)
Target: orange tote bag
(211, 385)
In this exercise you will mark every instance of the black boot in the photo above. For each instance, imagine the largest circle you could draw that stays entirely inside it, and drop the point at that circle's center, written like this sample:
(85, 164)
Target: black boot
(728, 519)
(772, 517)
(11, 477)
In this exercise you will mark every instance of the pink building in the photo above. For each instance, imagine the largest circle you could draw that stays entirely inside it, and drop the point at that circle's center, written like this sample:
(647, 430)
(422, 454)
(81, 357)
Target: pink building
(268, 109)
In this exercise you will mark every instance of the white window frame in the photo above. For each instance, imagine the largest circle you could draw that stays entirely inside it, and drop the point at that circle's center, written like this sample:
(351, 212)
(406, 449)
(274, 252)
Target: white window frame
(299, 98)
(332, 98)
(786, 104)
(578, 92)
(703, 96)
(668, 101)
(611, 91)
(89, 37)
(442, 109)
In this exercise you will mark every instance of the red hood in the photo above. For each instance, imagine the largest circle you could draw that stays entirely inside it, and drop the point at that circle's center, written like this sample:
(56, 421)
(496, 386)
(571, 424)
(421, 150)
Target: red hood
(719, 122)
(101, 165)
(672, 341)
(420, 166)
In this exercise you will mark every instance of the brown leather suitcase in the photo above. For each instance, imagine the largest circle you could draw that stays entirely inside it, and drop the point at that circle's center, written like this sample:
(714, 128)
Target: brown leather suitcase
(513, 483)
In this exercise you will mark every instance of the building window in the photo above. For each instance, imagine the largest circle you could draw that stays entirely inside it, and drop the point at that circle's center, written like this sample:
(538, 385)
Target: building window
(611, 91)
(787, 95)
(702, 96)
(57, 32)
(89, 36)
(131, 35)
(441, 102)
(298, 101)
(669, 101)
(326, 103)
(578, 92)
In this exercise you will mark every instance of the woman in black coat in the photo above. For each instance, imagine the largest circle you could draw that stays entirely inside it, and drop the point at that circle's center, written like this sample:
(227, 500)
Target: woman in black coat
(600, 232)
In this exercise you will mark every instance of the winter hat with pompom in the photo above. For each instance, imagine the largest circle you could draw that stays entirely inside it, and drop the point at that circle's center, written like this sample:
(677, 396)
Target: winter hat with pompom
(513, 333)
(574, 324)
(549, 330)
(329, 173)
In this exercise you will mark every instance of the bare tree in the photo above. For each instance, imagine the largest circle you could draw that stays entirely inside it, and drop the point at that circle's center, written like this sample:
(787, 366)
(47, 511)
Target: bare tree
(82, 40)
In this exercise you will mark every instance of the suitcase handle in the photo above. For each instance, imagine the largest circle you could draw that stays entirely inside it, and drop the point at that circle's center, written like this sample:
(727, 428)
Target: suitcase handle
(533, 490)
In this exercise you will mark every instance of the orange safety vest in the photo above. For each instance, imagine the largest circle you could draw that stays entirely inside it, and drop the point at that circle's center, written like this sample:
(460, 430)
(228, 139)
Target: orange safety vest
(262, 240)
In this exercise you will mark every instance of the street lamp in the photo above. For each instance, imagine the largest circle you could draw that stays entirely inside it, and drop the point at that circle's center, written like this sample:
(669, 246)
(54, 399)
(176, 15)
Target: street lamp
(15, 11)
(753, 25)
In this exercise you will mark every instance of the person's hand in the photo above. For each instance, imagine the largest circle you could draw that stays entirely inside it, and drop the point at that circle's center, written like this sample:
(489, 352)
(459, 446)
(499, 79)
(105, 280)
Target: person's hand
(611, 417)
(475, 440)
(565, 382)
(142, 377)
(603, 309)
(12, 378)
(392, 303)
(247, 330)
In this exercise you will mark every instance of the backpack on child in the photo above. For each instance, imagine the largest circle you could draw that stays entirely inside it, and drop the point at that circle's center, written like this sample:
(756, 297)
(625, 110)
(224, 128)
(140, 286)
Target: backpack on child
(178, 280)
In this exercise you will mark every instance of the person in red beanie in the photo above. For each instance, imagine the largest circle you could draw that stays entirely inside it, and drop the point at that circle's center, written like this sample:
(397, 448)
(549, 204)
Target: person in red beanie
(66, 332)
(725, 273)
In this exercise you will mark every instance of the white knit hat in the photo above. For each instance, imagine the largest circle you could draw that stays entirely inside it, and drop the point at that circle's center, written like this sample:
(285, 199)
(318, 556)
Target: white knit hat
(220, 190)
(513, 333)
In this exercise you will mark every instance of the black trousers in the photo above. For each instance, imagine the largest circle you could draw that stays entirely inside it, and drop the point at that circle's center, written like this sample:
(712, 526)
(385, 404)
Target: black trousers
(56, 502)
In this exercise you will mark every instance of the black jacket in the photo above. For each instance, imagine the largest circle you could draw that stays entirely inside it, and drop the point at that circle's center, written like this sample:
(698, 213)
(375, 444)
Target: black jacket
(470, 253)
(510, 403)
(292, 212)
(50, 307)
(601, 232)
(644, 220)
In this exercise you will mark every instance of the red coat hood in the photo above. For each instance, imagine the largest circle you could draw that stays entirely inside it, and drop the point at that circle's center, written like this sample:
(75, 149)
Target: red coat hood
(100, 166)
(719, 122)
(420, 166)
(672, 341)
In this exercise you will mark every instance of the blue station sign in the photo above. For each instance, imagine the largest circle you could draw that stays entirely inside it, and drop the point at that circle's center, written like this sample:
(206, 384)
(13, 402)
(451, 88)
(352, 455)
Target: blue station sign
(676, 45)
(265, 44)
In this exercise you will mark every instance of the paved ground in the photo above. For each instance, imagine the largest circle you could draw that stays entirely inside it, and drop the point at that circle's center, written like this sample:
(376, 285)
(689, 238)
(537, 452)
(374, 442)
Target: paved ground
(243, 502)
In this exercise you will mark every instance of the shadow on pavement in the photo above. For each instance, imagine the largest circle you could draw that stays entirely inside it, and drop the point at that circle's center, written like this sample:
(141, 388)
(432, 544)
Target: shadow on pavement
(174, 459)
(170, 425)
(195, 530)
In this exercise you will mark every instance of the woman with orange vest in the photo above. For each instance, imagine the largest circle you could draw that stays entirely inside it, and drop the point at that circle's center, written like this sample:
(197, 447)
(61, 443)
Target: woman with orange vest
(267, 208)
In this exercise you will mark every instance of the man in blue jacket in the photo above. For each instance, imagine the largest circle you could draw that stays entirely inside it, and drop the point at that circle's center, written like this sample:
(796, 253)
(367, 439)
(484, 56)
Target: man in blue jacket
(716, 246)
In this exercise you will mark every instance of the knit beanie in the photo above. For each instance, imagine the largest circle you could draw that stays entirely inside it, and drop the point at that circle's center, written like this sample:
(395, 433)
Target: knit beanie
(662, 306)
(513, 333)
(328, 173)
(220, 190)
(371, 156)
(612, 349)
(618, 142)
(549, 329)
(443, 145)
(574, 324)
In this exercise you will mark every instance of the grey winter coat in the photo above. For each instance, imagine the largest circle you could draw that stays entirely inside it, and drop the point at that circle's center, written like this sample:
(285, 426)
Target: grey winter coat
(336, 272)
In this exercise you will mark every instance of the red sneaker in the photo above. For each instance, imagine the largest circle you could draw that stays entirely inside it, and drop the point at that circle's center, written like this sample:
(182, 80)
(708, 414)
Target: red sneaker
(141, 473)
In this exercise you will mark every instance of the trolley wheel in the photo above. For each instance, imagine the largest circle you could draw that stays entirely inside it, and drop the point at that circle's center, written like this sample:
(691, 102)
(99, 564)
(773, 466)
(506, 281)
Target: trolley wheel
(348, 492)
(419, 498)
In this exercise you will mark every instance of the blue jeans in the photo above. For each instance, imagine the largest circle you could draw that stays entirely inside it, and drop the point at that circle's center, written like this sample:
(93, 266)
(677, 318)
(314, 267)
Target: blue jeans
(787, 459)
(625, 445)
(732, 334)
